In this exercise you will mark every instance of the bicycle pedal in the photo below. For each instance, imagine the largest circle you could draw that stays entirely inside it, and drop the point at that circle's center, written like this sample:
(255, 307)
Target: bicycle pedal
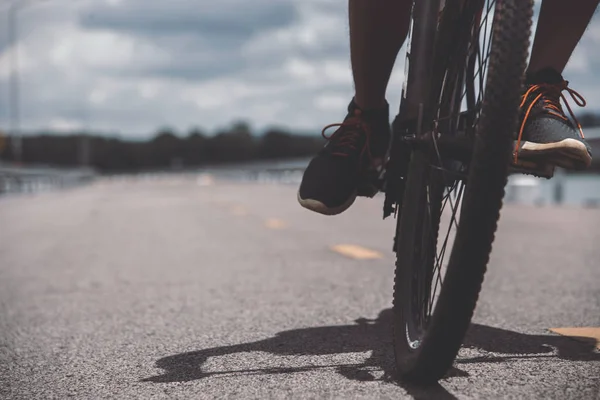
(527, 167)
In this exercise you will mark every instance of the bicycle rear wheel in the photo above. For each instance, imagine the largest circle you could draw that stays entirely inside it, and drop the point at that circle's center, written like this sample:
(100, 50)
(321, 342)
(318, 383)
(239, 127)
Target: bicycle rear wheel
(459, 158)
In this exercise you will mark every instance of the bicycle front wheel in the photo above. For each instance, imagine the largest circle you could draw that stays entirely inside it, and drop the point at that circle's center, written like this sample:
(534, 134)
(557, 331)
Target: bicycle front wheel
(475, 94)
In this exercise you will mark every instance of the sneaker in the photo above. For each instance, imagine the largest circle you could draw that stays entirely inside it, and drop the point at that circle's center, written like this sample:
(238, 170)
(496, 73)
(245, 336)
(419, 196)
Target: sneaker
(547, 137)
(349, 164)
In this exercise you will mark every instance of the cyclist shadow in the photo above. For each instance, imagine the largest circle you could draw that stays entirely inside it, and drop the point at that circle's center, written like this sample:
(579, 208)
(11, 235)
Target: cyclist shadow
(362, 336)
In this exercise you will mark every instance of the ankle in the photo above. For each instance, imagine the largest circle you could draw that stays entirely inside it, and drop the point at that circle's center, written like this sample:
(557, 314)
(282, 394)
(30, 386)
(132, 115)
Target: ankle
(370, 104)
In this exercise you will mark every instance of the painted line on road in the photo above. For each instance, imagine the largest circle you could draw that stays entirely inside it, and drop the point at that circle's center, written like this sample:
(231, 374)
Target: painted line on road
(358, 252)
(584, 334)
(205, 180)
(274, 223)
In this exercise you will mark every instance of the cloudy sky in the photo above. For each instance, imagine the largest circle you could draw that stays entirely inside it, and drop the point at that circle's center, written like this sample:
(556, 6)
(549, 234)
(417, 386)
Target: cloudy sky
(132, 66)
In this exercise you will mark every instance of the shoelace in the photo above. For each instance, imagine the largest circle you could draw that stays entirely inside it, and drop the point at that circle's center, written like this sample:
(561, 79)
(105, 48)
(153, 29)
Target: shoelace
(349, 138)
(550, 95)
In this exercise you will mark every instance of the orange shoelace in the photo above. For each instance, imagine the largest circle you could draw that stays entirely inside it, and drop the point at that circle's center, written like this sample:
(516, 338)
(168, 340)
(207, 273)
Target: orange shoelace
(550, 95)
(350, 137)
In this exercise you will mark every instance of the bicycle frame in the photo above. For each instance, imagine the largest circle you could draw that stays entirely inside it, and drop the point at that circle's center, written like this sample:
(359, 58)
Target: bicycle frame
(426, 57)
(418, 67)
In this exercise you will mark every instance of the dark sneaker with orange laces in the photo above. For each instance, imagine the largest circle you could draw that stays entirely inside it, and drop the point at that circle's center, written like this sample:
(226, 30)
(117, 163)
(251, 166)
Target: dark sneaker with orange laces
(349, 164)
(547, 137)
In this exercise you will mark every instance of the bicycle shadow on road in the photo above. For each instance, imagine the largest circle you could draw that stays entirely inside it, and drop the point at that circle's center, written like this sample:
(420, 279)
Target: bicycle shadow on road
(368, 335)
(521, 346)
(364, 335)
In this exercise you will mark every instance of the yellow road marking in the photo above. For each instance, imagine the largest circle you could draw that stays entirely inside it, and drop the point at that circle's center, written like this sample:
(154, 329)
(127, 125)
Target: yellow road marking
(205, 180)
(584, 334)
(354, 251)
(239, 210)
(274, 223)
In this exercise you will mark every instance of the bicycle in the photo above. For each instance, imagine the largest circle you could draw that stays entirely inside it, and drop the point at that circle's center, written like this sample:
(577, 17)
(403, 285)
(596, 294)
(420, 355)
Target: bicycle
(452, 143)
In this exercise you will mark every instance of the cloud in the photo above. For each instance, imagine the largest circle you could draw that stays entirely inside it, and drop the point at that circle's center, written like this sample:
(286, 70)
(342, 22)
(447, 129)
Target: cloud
(134, 65)
(224, 19)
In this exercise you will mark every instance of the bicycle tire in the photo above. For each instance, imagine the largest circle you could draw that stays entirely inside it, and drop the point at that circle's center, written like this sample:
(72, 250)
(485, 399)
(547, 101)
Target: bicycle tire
(487, 175)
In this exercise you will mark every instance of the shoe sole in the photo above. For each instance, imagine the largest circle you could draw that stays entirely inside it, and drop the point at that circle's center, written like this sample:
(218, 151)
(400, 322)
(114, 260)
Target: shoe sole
(531, 168)
(318, 207)
(568, 153)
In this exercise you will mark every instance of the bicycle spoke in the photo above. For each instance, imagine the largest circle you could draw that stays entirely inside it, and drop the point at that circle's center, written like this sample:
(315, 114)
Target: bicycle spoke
(448, 117)
(440, 257)
(487, 43)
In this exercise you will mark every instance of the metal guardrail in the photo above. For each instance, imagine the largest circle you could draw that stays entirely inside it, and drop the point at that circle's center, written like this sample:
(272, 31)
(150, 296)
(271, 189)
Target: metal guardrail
(32, 179)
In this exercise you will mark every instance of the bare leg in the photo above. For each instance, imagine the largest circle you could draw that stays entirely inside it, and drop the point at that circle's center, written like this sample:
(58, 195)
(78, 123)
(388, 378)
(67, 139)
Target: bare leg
(377, 31)
(560, 27)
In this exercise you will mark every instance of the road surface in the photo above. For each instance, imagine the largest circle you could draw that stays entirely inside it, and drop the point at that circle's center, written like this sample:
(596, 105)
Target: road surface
(185, 288)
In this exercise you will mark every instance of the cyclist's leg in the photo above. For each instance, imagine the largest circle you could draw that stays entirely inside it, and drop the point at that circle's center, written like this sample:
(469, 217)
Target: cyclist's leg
(546, 135)
(343, 169)
(561, 25)
(377, 31)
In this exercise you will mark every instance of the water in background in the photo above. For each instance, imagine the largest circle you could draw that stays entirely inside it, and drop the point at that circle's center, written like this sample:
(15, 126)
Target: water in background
(575, 190)
(566, 189)
(572, 189)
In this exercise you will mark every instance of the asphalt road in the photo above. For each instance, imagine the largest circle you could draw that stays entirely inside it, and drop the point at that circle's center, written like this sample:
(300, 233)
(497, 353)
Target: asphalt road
(171, 289)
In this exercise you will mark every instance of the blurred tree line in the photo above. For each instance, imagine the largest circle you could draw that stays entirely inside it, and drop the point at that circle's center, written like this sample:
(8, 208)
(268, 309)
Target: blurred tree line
(168, 150)
(589, 120)
(165, 150)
